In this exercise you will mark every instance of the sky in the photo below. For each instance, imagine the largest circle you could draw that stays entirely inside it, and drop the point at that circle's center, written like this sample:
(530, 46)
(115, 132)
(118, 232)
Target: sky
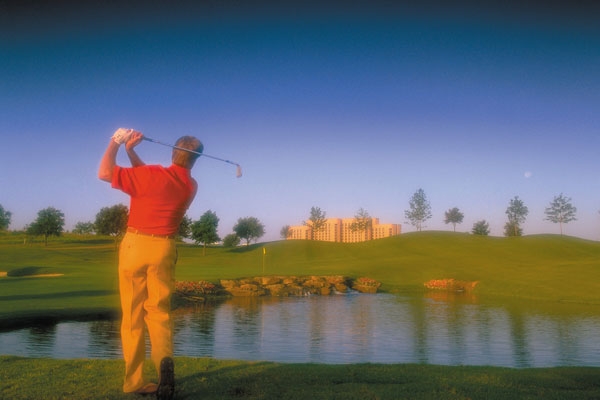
(335, 107)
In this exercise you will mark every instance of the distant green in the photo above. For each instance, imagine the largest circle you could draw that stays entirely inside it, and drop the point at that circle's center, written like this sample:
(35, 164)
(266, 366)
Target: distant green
(549, 268)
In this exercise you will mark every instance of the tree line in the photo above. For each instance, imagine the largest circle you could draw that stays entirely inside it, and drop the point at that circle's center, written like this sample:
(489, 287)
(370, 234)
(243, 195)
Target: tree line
(112, 221)
(560, 210)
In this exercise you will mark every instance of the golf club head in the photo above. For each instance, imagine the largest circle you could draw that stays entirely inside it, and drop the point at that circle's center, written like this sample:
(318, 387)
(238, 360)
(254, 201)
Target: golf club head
(238, 172)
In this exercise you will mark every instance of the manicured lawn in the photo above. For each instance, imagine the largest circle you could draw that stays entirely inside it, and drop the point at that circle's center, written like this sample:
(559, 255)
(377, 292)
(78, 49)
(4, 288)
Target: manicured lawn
(86, 284)
(544, 267)
(550, 269)
(200, 378)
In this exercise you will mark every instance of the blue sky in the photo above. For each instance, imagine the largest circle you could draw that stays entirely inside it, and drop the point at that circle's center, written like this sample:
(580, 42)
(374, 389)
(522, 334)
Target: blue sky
(321, 107)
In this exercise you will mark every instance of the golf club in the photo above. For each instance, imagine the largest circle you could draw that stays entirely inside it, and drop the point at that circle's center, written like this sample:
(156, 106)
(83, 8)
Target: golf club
(238, 169)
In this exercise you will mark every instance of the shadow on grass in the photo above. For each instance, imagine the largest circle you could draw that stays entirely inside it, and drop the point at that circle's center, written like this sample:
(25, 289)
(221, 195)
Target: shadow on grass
(45, 318)
(27, 271)
(236, 381)
(78, 293)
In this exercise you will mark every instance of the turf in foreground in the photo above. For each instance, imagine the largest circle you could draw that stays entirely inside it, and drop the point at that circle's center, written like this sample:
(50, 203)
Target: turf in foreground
(201, 378)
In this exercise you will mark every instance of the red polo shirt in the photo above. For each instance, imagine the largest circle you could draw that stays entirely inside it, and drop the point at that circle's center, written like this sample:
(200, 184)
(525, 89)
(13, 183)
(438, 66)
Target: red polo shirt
(160, 196)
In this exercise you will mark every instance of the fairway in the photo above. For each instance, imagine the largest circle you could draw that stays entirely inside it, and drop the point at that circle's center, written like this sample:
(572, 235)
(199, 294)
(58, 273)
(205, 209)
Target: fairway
(550, 270)
(547, 268)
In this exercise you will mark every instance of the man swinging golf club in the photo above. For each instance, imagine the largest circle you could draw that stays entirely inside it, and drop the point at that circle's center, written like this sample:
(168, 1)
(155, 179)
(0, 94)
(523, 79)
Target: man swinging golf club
(159, 197)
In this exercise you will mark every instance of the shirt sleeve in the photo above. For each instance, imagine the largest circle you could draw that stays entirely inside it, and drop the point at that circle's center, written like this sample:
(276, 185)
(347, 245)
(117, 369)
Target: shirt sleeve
(132, 181)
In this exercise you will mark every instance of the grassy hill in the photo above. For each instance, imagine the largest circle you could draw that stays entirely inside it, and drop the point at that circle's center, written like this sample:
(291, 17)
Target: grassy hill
(542, 267)
(546, 267)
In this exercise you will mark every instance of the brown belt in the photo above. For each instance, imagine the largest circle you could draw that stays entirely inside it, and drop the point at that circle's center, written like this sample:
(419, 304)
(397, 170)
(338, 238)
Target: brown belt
(138, 232)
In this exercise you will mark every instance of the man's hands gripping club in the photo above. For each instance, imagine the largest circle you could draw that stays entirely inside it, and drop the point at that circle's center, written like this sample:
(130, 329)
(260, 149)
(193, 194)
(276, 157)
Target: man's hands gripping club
(122, 135)
(131, 138)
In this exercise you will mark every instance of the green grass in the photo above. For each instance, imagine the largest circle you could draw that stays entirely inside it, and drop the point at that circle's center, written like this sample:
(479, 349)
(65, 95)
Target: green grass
(553, 269)
(24, 378)
(86, 288)
(543, 267)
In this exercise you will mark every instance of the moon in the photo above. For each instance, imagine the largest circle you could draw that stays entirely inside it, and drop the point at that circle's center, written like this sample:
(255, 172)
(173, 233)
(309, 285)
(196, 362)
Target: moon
(527, 174)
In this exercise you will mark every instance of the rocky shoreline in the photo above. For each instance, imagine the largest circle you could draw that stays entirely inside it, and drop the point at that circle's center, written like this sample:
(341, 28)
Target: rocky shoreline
(280, 286)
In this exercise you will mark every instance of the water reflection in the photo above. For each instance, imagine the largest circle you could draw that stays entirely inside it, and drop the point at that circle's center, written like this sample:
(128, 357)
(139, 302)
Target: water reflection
(104, 339)
(435, 329)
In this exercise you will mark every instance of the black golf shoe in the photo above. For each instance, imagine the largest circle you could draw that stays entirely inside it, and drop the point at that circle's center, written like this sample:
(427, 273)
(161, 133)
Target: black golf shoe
(166, 383)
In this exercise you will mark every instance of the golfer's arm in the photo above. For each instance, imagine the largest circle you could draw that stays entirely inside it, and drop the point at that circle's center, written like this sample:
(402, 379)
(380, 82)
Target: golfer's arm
(108, 162)
(136, 161)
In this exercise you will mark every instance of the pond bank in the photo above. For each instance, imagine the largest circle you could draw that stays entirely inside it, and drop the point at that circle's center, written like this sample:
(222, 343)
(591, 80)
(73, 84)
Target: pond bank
(200, 291)
(298, 285)
(278, 286)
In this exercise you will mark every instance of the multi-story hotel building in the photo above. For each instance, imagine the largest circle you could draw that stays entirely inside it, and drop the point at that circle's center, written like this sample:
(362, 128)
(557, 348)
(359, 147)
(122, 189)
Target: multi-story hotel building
(299, 233)
(339, 230)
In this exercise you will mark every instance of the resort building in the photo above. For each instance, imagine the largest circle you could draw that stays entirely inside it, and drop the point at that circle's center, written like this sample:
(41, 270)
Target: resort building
(301, 232)
(385, 230)
(339, 230)
(331, 232)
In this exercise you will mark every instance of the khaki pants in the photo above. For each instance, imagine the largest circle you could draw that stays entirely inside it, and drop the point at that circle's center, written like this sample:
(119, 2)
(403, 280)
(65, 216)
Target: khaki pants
(146, 280)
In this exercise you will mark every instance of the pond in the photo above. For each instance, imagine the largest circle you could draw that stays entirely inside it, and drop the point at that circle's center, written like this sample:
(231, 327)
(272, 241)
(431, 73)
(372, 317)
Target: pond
(355, 328)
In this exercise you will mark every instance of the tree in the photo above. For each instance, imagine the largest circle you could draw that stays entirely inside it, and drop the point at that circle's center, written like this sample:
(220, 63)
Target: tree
(112, 221)
(185, 227)
(512, 229)
(249, 228)
(561, 211)
(517, 213)
(481, 228)
(362, 222)
(205, 229)
(285, 232)
(5, 217)
(454, 216)
(316, 221)
(231, 240)
(84, 228)
(50, 221)
(420, 210)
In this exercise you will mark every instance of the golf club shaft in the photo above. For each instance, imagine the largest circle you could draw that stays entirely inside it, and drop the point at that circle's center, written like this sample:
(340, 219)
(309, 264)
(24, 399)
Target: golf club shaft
(191, 151)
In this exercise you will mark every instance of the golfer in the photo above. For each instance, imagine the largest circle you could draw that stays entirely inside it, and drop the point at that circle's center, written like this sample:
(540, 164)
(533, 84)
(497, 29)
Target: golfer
(159, 197)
